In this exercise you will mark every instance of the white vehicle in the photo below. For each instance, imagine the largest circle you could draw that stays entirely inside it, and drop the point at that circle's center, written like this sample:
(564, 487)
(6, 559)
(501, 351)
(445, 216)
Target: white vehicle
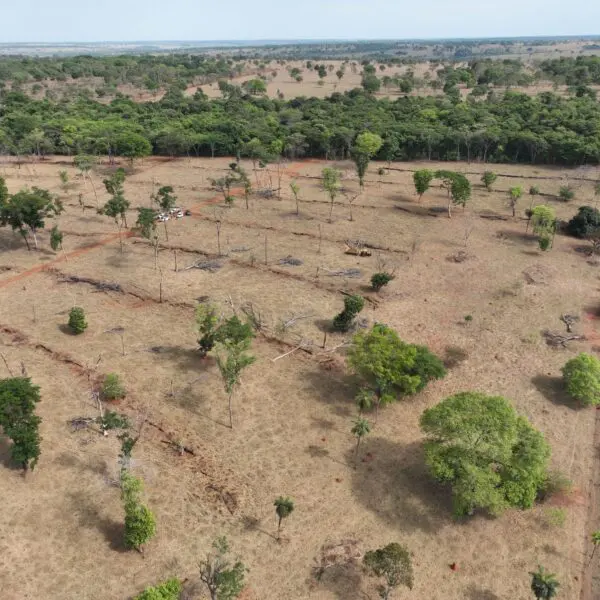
(179, 214)
(162, 217)
(174, 210)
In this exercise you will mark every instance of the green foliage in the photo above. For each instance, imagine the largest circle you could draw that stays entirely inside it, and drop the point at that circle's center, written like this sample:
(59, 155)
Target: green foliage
(112, 420)
(392, 563)
(165, 198)
(422, 180)
(64, 178)
(232, 332)
(390, 367)
(56, 238)
(77, 322)
(543, 219)
(18, 399)
(544, 242)
(544, 585)
(488, 179)
(566, 193)
(366, 146)
(555, 517)
(534, 190)
(585, 223)
(379, 280)
(255, 87)
(140, 523)
(112, 387)
(514, 195)
(284, 507)
(370, 83)
(207, 320)
(3, 194)
(116, 208)
(28, 210)
(146, 221)
(331, 183)
(115, 183)
(224, 579)
(352, 306)
(493, 458)
(582, 379)
(168, 590)
(295, 188)
(556, 483)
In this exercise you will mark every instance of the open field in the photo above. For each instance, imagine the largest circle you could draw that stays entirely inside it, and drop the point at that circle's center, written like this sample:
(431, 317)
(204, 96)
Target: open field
(62, 524)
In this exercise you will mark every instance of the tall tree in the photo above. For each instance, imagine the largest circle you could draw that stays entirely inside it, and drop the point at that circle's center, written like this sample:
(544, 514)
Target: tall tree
(166, 200)
(331, 184)
(146, 221)
(366, 146)
(393, 564)
(27, 210)
(514, 195)
(296, 192)
(422, 180)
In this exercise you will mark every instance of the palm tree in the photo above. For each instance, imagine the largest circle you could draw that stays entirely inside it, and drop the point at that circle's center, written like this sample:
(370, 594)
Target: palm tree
(360, 429)
(284, 507)
(544, 584)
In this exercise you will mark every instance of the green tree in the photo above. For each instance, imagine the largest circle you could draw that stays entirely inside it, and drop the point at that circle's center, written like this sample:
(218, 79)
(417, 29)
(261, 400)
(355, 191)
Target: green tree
(492, 457)
(460, 191)
(284, 507)
(370, 83)
(585, 223)
(224, 579)
(581, 376)
(595, 539)
(56, 238)
(112, 387)
(166, 200)
(340, 74)
(140, 523)
(256, 152)
(168, 590)
(146, 222)
(3, 193)
(27, 210)
(543, 222)
(381, 279)
(255, 87)
(18, 399)
(392, 563)
(514, 195)
(390, 367)
(85, 164)
(566, 193)
(366, 146)
(132, 145)
(352, 306)
(116, 208)
(331, 182)
(207, 322)
(488, 179)
(231, 365)
(296, 192)
(77, 322)
(360, 429)
(422, 180)
(544, 585)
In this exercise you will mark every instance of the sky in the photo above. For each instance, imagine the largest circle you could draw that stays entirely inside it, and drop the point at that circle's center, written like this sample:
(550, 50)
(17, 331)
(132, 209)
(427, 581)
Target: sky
(136, 20)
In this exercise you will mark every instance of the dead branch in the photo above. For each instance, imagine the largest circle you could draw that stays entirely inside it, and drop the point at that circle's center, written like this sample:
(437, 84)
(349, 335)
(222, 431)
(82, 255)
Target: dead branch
(559, 340)
(569, 321)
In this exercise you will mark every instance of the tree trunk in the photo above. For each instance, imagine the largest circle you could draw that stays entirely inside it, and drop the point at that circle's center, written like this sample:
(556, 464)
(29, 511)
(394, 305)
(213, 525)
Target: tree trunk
(34, 238)
(120, 238)
(24, 236)
(331, 209)
(94, 190)
(449, 209)
(514, 209)
(278, 527)
(230, 412)
(166, 230)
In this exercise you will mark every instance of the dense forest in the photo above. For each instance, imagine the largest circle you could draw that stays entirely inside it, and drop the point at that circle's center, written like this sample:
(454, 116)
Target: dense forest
(489, 125)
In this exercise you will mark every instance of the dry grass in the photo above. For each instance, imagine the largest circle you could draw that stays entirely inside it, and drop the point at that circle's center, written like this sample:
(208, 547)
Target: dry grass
(292, 417)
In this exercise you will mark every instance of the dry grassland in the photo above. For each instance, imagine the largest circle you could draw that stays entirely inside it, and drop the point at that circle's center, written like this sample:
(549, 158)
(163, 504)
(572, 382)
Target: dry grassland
(61, 527)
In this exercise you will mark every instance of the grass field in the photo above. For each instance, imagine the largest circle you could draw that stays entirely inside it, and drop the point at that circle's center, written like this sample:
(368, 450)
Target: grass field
(62, 525)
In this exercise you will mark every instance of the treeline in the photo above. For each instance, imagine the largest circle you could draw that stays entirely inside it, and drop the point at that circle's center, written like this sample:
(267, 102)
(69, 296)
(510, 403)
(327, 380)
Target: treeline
(582, 70)
(512, 127)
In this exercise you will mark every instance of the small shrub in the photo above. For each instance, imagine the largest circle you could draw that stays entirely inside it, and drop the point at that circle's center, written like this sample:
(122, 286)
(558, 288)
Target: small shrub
(534, 190)
(352, 306)
(381, 171)
(488, 179)
(379, 280)
(556, 483)
(555, 517)
(112, 387)
(168, 590)
(77, 322)
(566, 193)
(544, 242)
(468, 318)
(427, 366)
(582, 379)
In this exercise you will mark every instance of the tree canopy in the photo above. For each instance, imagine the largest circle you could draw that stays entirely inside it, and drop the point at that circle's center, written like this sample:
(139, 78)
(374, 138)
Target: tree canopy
(492, 457)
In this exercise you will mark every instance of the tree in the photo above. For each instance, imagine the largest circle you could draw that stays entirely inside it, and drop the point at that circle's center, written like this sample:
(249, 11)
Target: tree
(231, 366)
(85, 164)
(18, 399)
(422, 180)
(340, 74)
(492, 457)
(514, 195)
(56, 238)
(255, 87)
(64, 179)
(284, 507)
(256, 152)
(581, 376)
(331, 184)
(366, 146)
(206, 322)
(543, 222)
(585, 223)
(168, 590)
(112, 387)
(393, 564)
(77, 322)
(3, 193)
(132, 145)
(360, 429)
(460, 191)
(544, 585)
(223, 185)
(379, 280)
(296, 192)
(27, 210)
(488, 178)
(166, 200)
(117, 208)
(224, 580)
(370, 83)
(352, 306)
(146, 222)
(595, 538)
(140, 523)
(390, 367)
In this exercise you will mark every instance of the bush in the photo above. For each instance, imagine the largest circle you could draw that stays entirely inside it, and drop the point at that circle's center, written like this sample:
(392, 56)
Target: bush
(544, 243)
(582, 379)
(488, 179)
(566, 193)
(352, 306)
(378, 280)
(427, 366)
(168, 590)
(77, 322)
(534, 190)
(584, 223)
(112, 387)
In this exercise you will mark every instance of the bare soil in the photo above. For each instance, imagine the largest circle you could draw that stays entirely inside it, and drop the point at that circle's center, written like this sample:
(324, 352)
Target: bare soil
(62, 524)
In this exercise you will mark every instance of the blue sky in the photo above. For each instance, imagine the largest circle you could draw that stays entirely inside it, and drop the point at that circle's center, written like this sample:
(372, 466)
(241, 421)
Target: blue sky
(113, 20)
